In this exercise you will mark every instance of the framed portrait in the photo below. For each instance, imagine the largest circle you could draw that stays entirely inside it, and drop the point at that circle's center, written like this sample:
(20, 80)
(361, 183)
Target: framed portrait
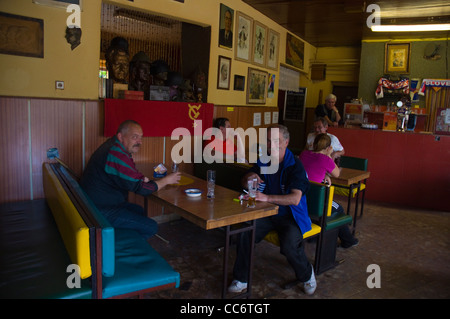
(259, 44)
(21, 35)
(223, 73)
(59, 3)
(397, 58)
(273, 44)
(295, 51)
(239, 82)
(256, 86)
(243, 37)
(226, 27)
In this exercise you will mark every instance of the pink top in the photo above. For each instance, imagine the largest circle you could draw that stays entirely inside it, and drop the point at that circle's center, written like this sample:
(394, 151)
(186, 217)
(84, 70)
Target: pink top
(316, 165)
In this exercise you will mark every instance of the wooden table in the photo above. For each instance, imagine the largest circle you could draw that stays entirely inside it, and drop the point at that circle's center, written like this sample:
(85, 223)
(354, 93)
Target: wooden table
(352, 179)
(222, 211)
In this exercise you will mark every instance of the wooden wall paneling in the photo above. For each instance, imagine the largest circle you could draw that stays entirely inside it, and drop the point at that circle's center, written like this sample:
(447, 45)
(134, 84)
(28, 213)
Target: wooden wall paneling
(183, 167)
(15, 154)
(230, 112)
(242, 117)
(55, 123)
(152, 150)
(94, 117)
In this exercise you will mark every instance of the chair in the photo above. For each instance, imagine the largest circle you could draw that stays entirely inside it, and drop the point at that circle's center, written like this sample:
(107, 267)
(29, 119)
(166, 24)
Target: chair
(319, 199)
(352, 190)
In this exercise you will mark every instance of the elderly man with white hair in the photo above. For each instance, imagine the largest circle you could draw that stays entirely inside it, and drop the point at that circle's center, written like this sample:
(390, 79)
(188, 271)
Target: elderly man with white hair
(329, 110)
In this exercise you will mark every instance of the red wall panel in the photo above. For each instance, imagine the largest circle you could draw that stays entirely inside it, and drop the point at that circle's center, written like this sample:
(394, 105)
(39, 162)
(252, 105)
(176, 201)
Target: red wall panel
(410, 169)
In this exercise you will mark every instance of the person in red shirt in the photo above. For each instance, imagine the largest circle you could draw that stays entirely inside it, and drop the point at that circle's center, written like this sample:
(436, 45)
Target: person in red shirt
(224, 143)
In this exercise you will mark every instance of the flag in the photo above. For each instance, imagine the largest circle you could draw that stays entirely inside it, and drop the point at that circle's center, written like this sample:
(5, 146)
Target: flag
(157, 118)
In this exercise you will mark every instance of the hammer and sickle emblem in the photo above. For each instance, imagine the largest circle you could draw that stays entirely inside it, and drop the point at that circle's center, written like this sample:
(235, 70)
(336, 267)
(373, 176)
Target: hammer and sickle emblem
(194, 112)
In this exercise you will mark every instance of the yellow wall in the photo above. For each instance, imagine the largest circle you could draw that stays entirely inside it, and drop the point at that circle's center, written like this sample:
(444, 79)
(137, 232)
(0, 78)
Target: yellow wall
(35, 77)
(342, 66)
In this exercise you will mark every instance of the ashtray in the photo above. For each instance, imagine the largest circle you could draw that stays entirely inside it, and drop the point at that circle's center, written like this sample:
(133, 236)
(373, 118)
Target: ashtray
(193, 192)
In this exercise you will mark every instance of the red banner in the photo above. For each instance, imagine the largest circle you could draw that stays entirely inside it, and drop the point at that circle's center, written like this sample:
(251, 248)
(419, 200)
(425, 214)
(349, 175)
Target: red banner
(157, 118)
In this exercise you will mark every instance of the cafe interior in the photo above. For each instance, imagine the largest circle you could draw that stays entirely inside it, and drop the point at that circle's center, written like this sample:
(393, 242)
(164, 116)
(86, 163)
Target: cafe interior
(60, 100)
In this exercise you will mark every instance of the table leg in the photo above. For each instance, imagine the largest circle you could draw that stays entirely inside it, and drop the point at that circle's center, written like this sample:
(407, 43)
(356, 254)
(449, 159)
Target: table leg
(251, 227)
(356, 207)
(225, 262)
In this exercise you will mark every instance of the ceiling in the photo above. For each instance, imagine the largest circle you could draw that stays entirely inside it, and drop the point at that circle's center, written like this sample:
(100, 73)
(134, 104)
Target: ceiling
(325, 23)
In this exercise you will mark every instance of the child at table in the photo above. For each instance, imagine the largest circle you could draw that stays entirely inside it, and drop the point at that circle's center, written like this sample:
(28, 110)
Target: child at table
(319, 165)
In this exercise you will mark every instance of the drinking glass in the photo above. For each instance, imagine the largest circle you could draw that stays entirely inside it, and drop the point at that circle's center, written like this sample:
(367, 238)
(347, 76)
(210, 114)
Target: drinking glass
(252, 186)
(174, 167)
(211, 181)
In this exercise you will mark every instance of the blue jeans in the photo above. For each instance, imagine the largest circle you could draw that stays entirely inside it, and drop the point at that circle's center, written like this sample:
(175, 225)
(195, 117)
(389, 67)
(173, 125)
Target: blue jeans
(291, 246)
(131, 216)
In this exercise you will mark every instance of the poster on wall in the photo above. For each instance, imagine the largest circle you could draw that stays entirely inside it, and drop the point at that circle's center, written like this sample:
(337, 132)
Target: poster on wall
(21, 35)
(259, 44)
(256, 119)
(243, 41)
(274, 117)
(226, 27)
(295, 51)
(223, 73)
(256, 86)
(273, 44)
(397, 58)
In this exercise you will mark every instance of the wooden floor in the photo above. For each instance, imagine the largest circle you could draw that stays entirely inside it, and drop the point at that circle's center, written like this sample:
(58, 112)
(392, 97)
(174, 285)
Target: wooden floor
(410, 246)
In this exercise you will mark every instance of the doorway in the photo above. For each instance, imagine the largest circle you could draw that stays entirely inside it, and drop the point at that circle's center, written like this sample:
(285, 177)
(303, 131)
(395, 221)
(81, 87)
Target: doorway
(345, 92)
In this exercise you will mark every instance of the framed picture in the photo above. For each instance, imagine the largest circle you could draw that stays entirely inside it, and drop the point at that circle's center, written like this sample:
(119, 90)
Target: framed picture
(21, 35)
(397, 58)
(259, 44)
(256, 86)
(273, 44)
(59, 3)
(243, 38)
(239, 83)
(223, 73)
(295, 51)
(226, 27)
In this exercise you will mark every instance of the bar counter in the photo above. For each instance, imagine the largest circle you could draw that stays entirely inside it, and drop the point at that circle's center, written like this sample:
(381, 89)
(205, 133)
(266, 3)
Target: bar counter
(410, 169)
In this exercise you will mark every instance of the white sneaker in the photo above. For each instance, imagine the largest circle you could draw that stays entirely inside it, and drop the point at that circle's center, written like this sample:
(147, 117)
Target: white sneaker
(310, 285)
(237, 286)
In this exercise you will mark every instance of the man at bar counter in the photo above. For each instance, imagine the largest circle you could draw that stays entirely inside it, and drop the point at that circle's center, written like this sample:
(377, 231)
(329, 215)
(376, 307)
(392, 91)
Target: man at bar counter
(329, 110)
(111, 173)
(285, 188)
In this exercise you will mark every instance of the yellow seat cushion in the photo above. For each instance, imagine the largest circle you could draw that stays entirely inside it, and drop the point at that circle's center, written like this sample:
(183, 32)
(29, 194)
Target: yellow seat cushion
(315, 229)
(343, 190)
(72, 228)
(272, 236)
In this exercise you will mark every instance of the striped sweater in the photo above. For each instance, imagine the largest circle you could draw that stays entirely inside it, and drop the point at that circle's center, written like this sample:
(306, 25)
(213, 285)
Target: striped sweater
(111, 174)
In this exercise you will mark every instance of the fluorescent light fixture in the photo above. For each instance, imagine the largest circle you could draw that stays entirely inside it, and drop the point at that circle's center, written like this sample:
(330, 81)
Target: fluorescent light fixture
(406, 28)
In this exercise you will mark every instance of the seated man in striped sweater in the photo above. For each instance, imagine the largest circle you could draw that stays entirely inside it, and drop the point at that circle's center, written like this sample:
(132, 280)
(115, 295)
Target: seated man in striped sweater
(111, 173)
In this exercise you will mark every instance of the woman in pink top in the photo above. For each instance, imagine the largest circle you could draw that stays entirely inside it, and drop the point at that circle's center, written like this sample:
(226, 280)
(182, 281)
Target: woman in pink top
(319, 166)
